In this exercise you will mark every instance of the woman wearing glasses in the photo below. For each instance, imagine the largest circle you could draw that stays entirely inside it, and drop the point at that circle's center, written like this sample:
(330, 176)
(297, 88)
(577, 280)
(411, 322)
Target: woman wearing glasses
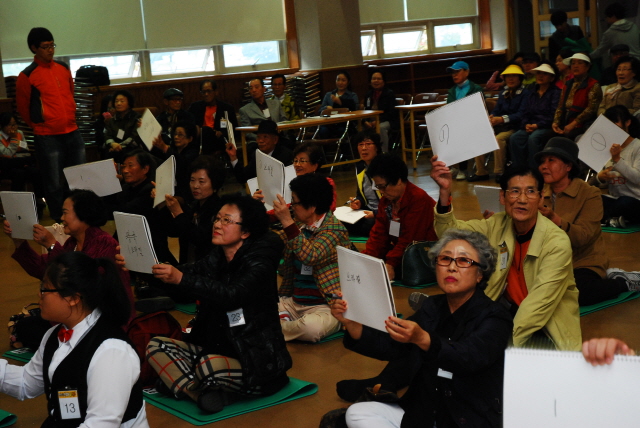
(576, 207)
(626, 91)
(455, 343)
(367, 198)
(235, 348)
(307, 158)
(86, 353)
(405, 213)
(310, 270)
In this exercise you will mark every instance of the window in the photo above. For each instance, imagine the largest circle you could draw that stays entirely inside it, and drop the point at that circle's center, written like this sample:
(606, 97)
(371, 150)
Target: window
(14, 68)
(368, 43)
(453, 35)
(119, 66)
(184, 61)
(250, 54)
(547, 29)
(405, 40)
(431, 36)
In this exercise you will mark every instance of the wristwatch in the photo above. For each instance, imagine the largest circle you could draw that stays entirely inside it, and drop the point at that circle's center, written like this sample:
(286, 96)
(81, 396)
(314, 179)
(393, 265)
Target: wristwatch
(52, 246)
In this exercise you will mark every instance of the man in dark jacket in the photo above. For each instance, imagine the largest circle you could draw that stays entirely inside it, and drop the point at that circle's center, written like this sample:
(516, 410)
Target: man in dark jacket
(211, 116)
(173, 99)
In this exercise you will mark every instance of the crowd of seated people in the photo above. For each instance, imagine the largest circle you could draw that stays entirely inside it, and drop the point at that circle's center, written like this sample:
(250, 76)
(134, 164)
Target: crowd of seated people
(522, 273)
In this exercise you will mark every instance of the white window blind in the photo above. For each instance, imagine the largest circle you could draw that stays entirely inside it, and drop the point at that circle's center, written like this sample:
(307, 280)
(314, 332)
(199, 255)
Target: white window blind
(79, 27)
(191, 23)
(380, 11)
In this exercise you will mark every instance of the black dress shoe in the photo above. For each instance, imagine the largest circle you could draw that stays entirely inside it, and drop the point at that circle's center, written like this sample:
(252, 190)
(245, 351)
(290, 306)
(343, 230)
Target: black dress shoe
(474, 178)
(211, 401)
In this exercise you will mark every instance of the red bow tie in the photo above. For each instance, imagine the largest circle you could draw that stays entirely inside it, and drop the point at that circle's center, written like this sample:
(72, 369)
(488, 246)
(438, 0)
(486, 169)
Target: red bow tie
(64, 335)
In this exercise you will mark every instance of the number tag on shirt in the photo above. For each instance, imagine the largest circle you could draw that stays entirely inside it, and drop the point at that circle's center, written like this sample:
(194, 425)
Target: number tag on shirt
(223, 123)
(120, 134)
(306, 270)
(504, 256)
(266, 113)
(445, 374)
(394, 228)
(69, 406)
(23, 144)
(236, 318)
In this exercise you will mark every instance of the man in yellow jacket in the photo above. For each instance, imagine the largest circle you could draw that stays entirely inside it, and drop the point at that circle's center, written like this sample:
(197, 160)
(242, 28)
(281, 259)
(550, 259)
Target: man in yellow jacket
(534, 274)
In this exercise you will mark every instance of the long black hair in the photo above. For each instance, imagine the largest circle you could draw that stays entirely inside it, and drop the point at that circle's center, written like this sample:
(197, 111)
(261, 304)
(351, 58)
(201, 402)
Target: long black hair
(95, 281)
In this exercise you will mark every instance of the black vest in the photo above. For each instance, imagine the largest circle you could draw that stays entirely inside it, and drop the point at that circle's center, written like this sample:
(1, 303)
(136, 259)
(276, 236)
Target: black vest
(71, 374)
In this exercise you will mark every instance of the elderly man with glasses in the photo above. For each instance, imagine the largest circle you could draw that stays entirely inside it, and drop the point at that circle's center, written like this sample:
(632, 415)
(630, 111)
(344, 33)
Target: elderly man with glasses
(44, 98)
(534, 277)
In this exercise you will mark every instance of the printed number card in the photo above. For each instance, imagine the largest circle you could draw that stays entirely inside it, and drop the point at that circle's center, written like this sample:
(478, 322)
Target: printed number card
(149, 129)
(489, 198)
(99, 177)
(135, 242)
(20, 210)
(165, 180)
(270, 174)
(461, 130)
(550, 389)
(365, 286)
(595, 143)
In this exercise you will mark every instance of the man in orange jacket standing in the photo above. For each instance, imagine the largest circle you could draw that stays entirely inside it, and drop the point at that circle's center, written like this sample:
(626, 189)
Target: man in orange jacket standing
(44, 97)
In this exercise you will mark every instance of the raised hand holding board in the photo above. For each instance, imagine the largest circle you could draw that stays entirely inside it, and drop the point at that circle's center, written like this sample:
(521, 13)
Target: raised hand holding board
(595, 144)
(461, 130)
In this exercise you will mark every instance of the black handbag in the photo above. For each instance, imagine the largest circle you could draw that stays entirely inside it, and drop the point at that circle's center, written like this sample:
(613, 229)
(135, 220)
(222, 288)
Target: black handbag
(93, 75)
(27, 328)
(416, 269)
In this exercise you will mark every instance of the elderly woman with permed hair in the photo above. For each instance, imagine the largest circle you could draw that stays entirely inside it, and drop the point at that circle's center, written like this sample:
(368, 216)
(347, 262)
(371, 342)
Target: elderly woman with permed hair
(455, 341)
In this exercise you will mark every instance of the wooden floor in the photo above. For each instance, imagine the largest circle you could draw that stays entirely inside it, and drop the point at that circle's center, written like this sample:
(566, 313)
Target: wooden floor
(324, 364)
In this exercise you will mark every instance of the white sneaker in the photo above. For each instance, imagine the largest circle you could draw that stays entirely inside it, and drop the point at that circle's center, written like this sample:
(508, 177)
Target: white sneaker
(618, 222)
(631, 278)
(461, 176)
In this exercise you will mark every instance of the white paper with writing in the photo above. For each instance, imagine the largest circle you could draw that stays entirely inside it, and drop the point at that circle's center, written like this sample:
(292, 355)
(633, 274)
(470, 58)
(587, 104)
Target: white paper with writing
(99, 177)
(347, 215)
(366, 288)
(461, 130)
(165, 180)
(149, 129)
(559, 389)
(135, 242)
(595, 144)
(270, 174)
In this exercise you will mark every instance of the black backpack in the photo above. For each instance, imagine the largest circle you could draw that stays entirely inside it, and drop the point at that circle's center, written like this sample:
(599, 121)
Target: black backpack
(93, 75)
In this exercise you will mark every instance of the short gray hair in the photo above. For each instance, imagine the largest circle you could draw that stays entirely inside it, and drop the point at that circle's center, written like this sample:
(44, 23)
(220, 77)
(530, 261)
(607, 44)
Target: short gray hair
(486, 253)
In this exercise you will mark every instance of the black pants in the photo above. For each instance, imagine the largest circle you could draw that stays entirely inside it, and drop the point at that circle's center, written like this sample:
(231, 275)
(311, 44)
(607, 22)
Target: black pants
(594, 289)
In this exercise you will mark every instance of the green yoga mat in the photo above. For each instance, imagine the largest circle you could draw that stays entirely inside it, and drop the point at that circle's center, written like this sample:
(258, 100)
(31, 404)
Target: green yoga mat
(22, 354)
(188, 410)
(334, 336)
(358, 239)
(414, 287)
(7, 418)
(630, 229)
(187, 308)
(622, 297)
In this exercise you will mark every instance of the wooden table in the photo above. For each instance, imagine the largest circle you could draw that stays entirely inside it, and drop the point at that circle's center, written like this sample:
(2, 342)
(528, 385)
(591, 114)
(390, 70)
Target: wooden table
(412, 108)
(314, 121)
